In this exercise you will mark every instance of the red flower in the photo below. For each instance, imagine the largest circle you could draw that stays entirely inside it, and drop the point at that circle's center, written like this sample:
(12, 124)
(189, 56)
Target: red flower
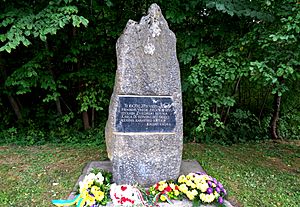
(156, 187)
(123, 200)
(168, 189)
(123, 188)
(176, 187)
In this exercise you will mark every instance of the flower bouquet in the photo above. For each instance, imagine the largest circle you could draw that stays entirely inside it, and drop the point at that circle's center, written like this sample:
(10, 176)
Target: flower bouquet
(125, 195)
(165, 191)
(202, 188)
(93, 191)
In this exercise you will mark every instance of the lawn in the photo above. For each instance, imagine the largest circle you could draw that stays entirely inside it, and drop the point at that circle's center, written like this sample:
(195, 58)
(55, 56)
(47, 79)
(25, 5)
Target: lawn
(256, 174)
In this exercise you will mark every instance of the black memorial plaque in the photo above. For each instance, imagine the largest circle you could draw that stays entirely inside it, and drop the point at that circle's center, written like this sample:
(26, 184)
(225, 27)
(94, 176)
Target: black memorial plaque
(145, 114)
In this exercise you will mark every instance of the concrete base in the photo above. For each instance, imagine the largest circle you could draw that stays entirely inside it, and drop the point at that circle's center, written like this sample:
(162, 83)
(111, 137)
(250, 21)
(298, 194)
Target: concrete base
(187, 166)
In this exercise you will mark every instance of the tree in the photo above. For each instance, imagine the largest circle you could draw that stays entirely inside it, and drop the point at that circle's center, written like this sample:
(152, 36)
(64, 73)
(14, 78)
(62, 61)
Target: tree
(22, 24)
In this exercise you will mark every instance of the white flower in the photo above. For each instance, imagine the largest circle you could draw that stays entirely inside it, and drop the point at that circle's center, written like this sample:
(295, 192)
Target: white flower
(90, 176)
(100, 178)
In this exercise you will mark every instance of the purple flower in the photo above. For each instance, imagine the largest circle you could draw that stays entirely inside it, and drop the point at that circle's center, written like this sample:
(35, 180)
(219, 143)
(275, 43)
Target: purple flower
(218, 189)
(224, 191)
(220, 185)
(209, 190)
(220, 200)
(215, 181)
(209, 183)
(201, 173)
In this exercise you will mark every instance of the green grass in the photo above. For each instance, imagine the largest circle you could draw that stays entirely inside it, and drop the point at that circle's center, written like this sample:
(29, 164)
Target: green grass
(261, 174)
(265, 174)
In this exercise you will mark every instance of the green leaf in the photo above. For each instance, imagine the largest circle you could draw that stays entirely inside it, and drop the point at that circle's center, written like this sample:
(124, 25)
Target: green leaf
(61, 24)
(8, 49)
(29, 26)
(280, 72)
(2, 37)
(26, 42)
(84, 21)
(108, 3)
(275, 38)
(232, 76)
(27, 32)
(220, 7)
(12, 45)
(43, 37)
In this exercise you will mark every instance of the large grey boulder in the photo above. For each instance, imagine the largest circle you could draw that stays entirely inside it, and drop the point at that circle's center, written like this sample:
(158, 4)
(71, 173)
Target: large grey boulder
(146, 149)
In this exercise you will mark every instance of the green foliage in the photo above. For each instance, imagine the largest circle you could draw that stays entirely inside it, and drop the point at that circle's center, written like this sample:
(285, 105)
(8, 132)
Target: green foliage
(91, 98)
(208, 80)
(57, 60)
(28, 136)
(244, 126)
(21, 24)
(243, 8)
(31, 135)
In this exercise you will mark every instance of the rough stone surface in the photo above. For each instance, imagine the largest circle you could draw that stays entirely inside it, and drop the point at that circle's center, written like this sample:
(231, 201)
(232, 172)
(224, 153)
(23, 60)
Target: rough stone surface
(187, 166)
(147, 66)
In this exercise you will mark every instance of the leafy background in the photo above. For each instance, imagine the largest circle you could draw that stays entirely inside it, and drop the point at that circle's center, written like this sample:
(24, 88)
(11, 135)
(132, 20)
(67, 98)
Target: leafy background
(239, 62)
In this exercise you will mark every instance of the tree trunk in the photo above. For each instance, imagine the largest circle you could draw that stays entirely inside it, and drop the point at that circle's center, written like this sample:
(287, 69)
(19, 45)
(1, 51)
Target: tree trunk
(233, 92)
(15, 106)
(57, 101)
(264, 103)
(85, 118)
(275, 117)
(93, 117)
(58, 106)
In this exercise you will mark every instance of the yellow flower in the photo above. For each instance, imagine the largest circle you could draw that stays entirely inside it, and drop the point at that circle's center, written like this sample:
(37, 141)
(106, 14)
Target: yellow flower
(163, 198)
(90, 200)
(162, 187)
(99, 195)
(210, 198)
(189, 183)
(83, 187)
(189, 176)
(182, 179)
(162, 182)
(213, 185)
(194, 192)
(94, 189)
(84, 195)
(176, 192)
(207, 198)
(205, 177)
(90, 183)
(190, 195)
(197, 179)
(202, 197)
(183, 188)
(203, 187)
(172, 185)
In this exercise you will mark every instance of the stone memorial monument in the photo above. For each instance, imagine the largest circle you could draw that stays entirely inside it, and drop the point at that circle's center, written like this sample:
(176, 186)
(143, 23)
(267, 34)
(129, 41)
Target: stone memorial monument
(144, 128)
